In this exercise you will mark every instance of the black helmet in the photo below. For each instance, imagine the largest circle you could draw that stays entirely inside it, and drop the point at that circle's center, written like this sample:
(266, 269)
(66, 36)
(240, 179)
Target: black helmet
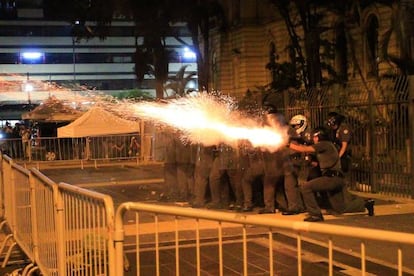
(321, 132)
(334, 119)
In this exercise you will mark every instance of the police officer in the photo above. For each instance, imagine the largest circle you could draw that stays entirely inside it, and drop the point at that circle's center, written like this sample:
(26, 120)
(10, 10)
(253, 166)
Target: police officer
(332, 177)
(168, 139)
(273, 168)
(341, 137)
(178, 168)
(331, 180)
(226, 173)
(296, 165)
(254, 172)
(203, 164)
(185, 162)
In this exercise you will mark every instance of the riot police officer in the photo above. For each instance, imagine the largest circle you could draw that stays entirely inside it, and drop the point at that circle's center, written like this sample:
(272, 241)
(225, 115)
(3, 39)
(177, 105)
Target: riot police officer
(205, 156)
(296, 165)
(225, 174)
(332, 177)
(254, 171)
(273, 167)
(331, 181)
(341, 137)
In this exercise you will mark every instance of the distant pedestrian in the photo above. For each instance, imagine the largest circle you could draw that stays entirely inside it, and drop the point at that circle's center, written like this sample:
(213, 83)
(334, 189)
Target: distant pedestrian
(134, 147)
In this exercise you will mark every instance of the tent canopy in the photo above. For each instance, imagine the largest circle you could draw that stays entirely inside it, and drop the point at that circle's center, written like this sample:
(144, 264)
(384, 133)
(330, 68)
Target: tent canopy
(52, 110)
(97, 122)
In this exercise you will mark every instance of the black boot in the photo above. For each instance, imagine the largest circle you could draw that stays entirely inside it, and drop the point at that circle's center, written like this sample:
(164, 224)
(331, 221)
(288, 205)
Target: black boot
(314, 218)
(369, 204)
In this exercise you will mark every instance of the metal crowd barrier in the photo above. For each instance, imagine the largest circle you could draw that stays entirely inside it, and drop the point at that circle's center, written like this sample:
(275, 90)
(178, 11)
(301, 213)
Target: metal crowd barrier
(62, 229)
(67, 230)
(186, 220)
(85, 149)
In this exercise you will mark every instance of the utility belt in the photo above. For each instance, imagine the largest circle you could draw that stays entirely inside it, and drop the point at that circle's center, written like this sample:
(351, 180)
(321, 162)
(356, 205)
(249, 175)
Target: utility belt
(332, 173)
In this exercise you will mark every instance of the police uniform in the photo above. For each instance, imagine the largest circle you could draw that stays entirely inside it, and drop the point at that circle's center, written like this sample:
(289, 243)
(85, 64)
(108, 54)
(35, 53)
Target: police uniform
(343, 134)
(296, 169)
(185, 161)
(225, 174)
(204, 161)
(254, 170)
(331, 180)
(170, 165)
(273, 181)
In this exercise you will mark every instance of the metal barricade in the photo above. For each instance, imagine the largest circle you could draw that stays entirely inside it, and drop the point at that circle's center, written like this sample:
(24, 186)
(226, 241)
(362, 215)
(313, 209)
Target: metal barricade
(187, 224)
(99, 149)
(62, 229)
(87, 233)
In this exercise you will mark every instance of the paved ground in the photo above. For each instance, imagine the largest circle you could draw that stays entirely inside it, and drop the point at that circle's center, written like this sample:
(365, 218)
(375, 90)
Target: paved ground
(131, 183)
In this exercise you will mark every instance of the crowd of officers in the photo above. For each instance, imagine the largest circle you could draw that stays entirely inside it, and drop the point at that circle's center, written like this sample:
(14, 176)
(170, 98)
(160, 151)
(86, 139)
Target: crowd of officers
(307, 175)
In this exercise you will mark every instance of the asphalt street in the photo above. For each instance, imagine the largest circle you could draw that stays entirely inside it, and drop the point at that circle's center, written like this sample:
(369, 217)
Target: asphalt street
(144, 183)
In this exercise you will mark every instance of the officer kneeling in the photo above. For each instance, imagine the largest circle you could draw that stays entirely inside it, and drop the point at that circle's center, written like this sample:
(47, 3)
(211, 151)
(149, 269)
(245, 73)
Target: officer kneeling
(331, 181)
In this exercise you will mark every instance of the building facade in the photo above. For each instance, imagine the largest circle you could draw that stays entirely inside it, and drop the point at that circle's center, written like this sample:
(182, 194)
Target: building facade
(257, 34)
(40, 56)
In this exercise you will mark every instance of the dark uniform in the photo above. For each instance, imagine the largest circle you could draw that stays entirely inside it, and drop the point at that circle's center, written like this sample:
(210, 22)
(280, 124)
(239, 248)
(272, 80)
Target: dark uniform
(226, 173)
(296, 170)
(204, 162)
(341, 132)
(273, 169)
(344, 134)
(168, 140)
(185, 161)
(332, 181)
(273, 182)
(254, 171)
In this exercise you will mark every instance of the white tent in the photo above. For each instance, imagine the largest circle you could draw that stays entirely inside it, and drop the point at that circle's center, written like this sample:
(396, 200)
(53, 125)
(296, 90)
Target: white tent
(97, 122)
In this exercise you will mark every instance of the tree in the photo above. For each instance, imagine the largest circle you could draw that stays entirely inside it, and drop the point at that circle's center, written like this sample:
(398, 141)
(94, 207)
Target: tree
(199, 15)
(153, 22)
(178, 82)
(402, 26)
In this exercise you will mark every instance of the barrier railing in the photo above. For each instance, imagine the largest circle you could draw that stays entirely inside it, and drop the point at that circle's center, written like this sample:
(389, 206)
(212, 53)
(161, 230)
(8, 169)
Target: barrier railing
(185, 220)
(67, 230)
(62, 229)
(85, 149)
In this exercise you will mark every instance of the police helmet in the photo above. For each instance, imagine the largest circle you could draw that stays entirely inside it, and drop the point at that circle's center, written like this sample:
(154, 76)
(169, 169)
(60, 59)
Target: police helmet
(334, 119)
(299, 123)
(321, 133)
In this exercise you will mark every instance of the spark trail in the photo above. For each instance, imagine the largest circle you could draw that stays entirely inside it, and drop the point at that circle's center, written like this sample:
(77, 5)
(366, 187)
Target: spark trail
(210, 120)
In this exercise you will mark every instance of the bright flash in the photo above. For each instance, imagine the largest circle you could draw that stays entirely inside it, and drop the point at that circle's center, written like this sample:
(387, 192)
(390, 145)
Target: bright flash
(209, 120)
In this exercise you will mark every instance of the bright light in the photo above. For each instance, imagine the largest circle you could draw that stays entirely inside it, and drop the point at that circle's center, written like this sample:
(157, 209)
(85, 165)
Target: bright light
(188, 54)
(211, 121)
(28, 87)
(191, 85)
(32, 55)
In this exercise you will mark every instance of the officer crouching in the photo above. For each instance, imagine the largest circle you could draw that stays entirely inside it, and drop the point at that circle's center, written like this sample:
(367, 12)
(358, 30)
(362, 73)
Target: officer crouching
(331, 180)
